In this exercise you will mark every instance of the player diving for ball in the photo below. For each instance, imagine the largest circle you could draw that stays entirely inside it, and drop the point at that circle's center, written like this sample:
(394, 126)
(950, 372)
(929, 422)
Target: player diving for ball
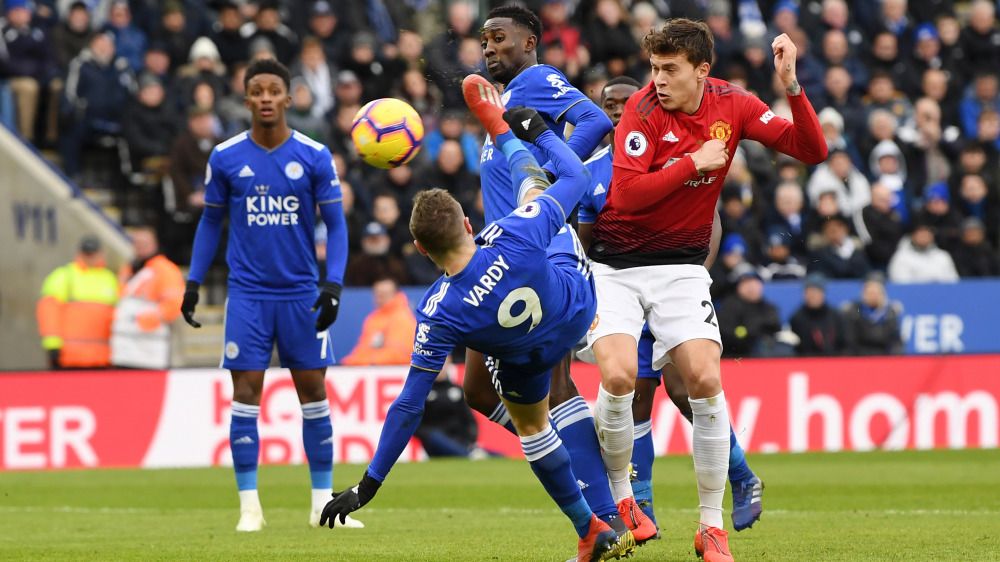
(521, 294)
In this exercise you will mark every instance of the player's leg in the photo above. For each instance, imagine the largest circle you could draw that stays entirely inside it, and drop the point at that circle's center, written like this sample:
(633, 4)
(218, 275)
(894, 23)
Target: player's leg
(746, 487)
(480, 393)
(643, 452)
(549, 459)
(683, 322)
(248, 334)
(307, 354)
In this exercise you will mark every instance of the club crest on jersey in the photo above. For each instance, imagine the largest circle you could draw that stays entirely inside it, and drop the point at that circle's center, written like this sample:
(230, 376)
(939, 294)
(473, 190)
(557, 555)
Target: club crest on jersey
(232, 350)
(294, 170)
(720, 130)
(528, 210)
(635, 143)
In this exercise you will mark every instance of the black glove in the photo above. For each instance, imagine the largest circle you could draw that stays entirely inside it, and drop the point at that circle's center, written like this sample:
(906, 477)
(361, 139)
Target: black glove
(525, 122)
(328, 305)
(349, 500)
(190, 301)
(53, 358)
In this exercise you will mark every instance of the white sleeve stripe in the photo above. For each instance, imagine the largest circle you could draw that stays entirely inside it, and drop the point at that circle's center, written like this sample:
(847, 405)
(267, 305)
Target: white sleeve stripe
(325, 201)
(219, 205)
(553, 199)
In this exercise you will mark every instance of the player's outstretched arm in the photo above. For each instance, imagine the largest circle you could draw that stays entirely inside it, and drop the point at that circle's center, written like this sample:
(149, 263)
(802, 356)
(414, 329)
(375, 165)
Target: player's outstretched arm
(572, 177)
(590, 125)
(401, 423)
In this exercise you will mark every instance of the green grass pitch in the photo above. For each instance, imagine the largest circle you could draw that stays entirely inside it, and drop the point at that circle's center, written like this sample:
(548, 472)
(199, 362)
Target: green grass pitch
(940, 505)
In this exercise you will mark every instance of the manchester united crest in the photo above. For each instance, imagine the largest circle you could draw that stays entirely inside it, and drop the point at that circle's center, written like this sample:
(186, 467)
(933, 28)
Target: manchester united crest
(720, 130)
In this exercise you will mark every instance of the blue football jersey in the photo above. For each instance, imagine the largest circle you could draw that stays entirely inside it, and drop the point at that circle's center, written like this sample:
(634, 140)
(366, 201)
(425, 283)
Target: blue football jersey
(272, 197)
(599, 166)
(546, 90)
(515, 298)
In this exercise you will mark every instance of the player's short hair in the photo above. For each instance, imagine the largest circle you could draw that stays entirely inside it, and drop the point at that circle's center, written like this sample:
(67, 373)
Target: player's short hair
(268, 66)
(626, 80)
(521, 16)
(681, 36)
(437, 221)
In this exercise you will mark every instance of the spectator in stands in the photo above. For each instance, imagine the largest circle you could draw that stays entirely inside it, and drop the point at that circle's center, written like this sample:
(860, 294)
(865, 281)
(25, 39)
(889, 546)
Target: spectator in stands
(988, 132)
(748, 322)
(71, 35)
(926, 56)
(972, 159)
(871, 324)
(150, 126)
(156, 62)
(558, 28)
(880, 228)
(452, 127)
(75, 310)
(313, 67)
(174, 34)
(928, 143)
(983, 95)
(818, 326)
(883, 94)
(26, 65)
(152, 288)
(757, 61)
(267, 24)
(424, 97)
(97, 88)
(185, 198)
(205, 67)
(836, 51)
(387, 333)
(737, 218)
(975, 201)
(403, 183)
(919, 260)
(470, 56)
(609, 38)
(732, 254)
(442, 52)
(325, 25)
(787, 217)
(355, 225)
(340, 133)
(974, 256)
(232, 110)
(938, 214)
(784, 18)
(832, 124)
(779, 263)
(130, 41)
(450, 173)
(448, 428)
(839, 175)
(233, 46)
(980, 40)
(375, 261)
(840, 256)
(888, 166)
(934, 84)
(385, 211)
(300, 115)
(841, 96)
(348, 90)
(895, 20)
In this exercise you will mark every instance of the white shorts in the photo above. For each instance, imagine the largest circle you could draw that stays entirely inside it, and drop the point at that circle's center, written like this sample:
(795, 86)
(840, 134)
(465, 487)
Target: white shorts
(674, 300)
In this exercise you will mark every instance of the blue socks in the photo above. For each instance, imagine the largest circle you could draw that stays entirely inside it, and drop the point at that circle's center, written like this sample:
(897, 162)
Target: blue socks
(551, 463)
(739, 470)
(317, 439)
(575, 424)
(642, 461)
(501, 416)
(245, 444)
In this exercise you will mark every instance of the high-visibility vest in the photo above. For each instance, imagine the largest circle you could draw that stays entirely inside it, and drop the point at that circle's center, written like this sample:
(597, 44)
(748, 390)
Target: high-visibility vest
(150, 302)
(74, 314)
(386, 335)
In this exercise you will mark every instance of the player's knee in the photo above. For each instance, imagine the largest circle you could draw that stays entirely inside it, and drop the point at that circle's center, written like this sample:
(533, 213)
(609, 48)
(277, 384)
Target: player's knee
(703, 381)
(619, 381)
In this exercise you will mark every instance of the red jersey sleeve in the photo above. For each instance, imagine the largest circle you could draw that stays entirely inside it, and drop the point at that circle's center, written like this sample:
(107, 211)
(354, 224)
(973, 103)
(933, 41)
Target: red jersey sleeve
(634, 184)
(801, 139)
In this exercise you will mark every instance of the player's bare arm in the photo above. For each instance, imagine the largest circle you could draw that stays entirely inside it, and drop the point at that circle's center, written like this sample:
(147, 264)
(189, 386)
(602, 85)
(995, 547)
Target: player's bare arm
(784, 63)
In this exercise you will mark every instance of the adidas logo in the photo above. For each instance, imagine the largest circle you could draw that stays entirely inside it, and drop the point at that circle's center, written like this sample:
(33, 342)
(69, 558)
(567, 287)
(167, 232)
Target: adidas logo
(525, 124)
(583, 485)
(670, 137)
(246, 172)
(599, 189)
(245, 440)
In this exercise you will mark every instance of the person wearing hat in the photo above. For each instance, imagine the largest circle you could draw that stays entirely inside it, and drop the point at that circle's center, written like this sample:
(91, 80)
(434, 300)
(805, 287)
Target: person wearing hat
(919, 260)
(974, 256)
(732, 254)
(75, 310)
(747, 321)
(819, 327)
(375, 260)
(325, 25)
(939, 214)
(839, 256)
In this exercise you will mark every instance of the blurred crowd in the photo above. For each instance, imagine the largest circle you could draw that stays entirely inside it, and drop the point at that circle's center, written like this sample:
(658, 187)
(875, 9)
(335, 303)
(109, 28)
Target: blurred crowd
(131, 95)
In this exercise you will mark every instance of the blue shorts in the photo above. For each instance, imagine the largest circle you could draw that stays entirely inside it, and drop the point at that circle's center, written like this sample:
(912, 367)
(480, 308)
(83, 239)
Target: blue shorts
(646, 357)
(517, 384)
(253, 326)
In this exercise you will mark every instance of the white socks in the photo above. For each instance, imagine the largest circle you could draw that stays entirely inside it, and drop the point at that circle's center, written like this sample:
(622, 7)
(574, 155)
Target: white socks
(320, 498)
(249, 500)
(613, 417)
(711, 455)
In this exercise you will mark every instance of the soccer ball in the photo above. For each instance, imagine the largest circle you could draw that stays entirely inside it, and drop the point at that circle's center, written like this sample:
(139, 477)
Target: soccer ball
(387, 132)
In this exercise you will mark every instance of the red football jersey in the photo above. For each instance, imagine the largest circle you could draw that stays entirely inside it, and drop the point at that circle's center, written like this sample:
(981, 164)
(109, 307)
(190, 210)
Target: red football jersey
(659, 209)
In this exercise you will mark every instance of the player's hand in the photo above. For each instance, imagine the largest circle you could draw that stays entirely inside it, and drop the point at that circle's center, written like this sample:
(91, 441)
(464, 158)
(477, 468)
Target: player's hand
(785, 52)
(348, 501)
(525, 122)
(711, 156)
(190, 301)
(328, 305)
